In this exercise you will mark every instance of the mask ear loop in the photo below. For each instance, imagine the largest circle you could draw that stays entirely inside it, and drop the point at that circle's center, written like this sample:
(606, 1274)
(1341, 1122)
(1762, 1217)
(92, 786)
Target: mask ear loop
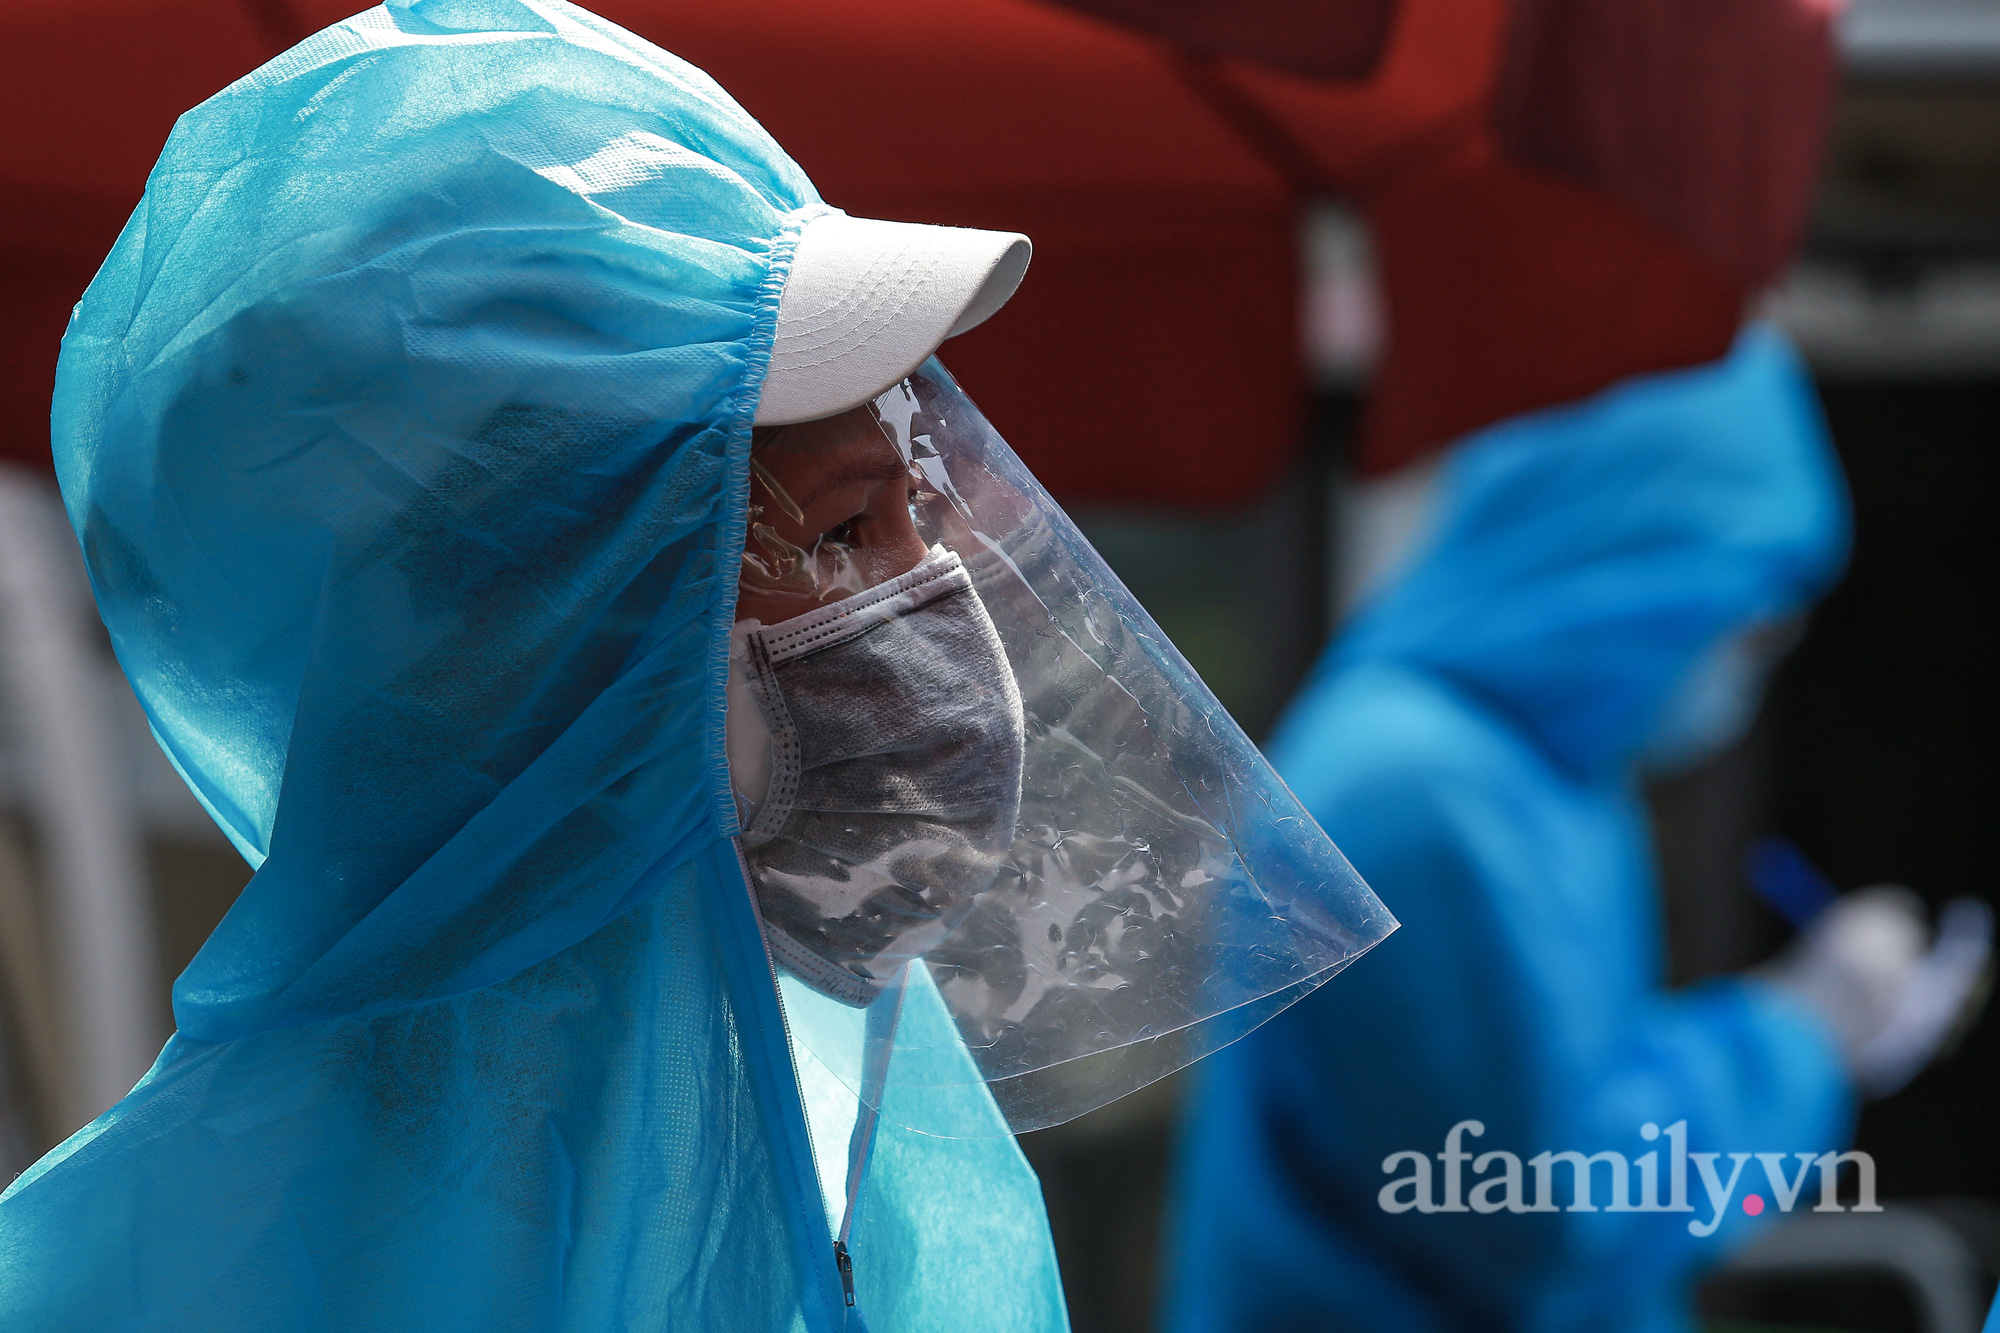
(878, 1045)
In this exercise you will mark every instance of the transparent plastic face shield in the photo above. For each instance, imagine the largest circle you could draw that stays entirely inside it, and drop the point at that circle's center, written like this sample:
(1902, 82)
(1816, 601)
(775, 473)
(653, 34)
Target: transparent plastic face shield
(1013, 858)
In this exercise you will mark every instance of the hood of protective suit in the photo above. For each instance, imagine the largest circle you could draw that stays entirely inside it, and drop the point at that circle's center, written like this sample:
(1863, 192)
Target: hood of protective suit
(400, 444)
(1579, 561)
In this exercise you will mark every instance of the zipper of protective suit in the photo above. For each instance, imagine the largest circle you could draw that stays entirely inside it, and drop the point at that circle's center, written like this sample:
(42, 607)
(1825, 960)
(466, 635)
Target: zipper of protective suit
(879, 1044)
(875, 1073)
(843, 1269)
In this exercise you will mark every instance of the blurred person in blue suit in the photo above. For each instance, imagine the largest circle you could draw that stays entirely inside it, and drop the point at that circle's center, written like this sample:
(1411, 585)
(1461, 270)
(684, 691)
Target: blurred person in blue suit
(1590, 589)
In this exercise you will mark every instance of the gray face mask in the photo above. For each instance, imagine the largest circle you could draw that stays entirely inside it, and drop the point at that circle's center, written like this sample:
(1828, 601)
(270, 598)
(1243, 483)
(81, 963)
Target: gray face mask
(896, 748)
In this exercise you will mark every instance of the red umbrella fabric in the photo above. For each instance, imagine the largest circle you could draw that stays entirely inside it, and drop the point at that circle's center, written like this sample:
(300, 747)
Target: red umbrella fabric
(95, 87)
(1563, 193)
(1706, 118)
(1152, 354)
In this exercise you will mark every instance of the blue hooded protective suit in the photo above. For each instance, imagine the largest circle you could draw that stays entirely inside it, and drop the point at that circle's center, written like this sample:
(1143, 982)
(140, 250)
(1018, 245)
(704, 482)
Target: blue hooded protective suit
(406, 431)
(1469, 742)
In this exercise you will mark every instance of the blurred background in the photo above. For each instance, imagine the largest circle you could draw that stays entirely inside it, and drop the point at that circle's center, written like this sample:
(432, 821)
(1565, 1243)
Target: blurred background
(1188, 367)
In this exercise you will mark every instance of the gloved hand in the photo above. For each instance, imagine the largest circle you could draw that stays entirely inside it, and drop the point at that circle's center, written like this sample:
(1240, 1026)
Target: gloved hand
(1891, 994)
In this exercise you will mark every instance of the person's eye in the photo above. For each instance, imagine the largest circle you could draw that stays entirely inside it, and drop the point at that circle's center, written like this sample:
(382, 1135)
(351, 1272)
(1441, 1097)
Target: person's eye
(843, 533)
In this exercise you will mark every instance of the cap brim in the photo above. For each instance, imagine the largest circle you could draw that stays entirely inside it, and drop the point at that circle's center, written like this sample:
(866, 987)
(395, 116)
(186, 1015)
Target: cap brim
(866, 301)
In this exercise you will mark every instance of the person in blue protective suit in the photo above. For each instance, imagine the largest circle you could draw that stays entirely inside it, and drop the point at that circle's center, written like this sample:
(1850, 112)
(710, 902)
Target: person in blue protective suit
(1593, 587)
(401, 431)
(636, 848)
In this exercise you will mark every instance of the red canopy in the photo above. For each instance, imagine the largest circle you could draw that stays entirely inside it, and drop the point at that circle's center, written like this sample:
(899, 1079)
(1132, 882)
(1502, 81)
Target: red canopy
(1151, 355)
(94, 88)
(1563, 193)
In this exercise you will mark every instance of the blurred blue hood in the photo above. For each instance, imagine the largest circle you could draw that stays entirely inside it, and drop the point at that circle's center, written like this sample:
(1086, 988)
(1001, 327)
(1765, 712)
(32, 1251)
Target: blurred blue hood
(1581, 559)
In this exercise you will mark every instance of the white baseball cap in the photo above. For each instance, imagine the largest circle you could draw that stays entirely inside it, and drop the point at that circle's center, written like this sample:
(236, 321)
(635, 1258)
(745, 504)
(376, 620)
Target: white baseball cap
(866, 301)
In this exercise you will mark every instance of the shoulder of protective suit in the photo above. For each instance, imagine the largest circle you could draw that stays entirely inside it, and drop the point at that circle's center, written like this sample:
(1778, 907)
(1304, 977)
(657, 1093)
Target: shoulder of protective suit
(1376, 738)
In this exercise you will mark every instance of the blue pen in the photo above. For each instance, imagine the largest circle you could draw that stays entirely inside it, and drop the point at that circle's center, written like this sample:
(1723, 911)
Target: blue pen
(1784, 878)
